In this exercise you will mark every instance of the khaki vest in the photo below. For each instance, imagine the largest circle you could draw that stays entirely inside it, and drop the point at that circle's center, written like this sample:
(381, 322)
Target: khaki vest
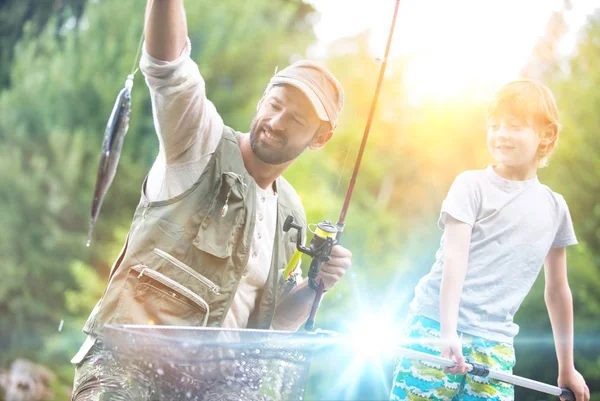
(183, 258)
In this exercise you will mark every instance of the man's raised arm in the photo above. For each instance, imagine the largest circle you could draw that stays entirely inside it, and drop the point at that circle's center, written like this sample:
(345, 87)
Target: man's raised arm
(186, 122)
(165, 29)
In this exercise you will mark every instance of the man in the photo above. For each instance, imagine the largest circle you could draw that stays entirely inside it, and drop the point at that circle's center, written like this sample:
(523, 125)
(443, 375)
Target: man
(206, 247)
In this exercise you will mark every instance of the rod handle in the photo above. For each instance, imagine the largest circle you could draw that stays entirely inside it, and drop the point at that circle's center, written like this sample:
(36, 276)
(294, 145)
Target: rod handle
(567, 394)
(310, 323)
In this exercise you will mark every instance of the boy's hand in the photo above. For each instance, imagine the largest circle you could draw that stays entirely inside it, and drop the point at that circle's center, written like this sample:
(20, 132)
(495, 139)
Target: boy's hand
(452, 348)
(574, 381)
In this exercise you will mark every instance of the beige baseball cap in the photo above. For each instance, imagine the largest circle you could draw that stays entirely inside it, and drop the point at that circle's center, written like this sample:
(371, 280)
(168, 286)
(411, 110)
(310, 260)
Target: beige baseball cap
(320, 86)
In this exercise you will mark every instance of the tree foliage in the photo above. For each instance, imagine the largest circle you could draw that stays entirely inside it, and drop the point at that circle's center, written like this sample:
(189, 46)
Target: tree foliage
(16, 14)
(52, 119)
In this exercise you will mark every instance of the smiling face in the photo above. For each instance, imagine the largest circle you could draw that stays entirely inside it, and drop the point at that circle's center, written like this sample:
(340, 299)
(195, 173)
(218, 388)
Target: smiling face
(523, 124)
(513, 142)
(284, 125)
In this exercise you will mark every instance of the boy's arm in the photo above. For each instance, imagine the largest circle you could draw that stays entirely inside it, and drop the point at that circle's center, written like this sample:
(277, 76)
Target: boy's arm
(559, 302)
(457, 241)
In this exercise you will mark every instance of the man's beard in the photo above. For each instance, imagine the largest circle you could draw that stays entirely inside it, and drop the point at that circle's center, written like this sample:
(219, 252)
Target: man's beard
(278, 153)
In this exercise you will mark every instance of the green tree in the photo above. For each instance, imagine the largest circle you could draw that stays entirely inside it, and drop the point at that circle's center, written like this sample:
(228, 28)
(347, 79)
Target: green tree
(15, 14)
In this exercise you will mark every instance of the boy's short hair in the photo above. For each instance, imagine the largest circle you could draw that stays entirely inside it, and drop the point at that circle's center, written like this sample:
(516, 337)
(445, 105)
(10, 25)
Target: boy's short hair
(534, 104)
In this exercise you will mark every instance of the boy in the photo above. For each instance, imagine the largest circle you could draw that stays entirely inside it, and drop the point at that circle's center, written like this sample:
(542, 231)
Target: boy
(500, 225)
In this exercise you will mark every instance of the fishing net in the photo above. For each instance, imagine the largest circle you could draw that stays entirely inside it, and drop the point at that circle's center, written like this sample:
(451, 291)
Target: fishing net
(189, 363)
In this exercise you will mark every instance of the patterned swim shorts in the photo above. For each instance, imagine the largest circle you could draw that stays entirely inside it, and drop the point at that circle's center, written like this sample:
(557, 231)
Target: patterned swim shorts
(421, 381)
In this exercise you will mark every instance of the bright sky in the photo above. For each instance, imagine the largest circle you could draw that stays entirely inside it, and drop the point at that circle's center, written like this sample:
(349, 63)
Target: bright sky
(453, 45)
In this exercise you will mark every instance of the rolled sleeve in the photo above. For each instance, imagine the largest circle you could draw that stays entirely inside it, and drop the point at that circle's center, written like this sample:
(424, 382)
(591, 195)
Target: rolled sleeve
(187, 123)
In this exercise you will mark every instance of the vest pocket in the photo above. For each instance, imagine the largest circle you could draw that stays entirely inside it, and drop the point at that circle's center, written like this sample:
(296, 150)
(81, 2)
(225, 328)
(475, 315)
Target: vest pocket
(170, 258)
(150, 297)
(219, 228)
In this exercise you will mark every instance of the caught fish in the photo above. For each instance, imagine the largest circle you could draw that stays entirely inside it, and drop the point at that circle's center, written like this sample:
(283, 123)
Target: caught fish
(116, 128)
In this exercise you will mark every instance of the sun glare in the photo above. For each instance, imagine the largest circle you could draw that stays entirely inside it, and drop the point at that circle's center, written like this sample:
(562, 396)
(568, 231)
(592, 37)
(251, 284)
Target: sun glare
(434, 76)
(452, 49)
(373, 337)
(370, 337)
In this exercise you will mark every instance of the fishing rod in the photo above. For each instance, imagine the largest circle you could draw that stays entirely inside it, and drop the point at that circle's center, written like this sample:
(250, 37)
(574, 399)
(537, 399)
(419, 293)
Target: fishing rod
(326, 235)
(481, 370)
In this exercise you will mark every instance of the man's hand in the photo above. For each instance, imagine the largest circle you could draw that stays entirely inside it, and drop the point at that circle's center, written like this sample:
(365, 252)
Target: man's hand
(339, 262)
(452, 348)
(574, 381)
(295, 306)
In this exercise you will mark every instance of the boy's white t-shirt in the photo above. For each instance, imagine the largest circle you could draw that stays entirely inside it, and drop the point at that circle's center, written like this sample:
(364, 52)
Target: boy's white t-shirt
(515, 223)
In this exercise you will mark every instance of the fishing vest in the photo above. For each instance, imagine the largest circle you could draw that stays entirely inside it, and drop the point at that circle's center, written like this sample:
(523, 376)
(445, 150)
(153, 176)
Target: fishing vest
(184, 257)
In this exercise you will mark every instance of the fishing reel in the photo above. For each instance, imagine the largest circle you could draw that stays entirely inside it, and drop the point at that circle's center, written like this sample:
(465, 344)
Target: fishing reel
(319, 249)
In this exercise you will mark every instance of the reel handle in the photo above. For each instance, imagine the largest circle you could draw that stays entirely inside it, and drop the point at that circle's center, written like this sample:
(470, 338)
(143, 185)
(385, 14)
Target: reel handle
(289, 224)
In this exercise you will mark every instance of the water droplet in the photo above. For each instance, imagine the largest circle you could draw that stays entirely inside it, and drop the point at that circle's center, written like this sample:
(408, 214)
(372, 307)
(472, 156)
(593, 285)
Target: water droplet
(160, 371)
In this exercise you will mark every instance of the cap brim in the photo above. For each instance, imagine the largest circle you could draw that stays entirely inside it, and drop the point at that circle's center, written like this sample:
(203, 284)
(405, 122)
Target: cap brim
(310, 94)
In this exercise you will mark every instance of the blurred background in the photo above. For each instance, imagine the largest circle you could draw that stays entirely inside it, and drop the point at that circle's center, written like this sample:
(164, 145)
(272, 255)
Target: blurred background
(62, 62)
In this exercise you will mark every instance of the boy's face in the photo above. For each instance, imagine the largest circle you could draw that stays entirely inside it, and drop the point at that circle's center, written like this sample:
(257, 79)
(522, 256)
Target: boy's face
(513, 142)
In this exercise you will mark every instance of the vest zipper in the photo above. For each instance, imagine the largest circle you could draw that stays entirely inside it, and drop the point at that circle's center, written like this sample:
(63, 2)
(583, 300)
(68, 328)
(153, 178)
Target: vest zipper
(170, 258)
(246, 258)
(164, 280)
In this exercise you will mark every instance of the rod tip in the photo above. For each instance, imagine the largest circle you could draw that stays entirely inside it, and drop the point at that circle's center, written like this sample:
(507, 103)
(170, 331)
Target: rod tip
(89, 238)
